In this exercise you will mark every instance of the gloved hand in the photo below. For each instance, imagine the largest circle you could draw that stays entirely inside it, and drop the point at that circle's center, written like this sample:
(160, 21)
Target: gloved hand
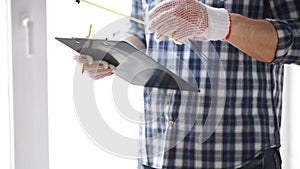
(95, 69)
(189, 19)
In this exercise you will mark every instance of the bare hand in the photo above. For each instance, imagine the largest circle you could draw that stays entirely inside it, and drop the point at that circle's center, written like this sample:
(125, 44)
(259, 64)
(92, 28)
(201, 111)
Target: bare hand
(95, 69)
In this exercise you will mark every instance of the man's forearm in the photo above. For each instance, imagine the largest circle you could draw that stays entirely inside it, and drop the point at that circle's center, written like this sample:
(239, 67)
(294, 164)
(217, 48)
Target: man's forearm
(257, 38)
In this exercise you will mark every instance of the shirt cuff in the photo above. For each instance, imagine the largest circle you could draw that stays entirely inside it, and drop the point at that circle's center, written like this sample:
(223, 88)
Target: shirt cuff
(285, 41)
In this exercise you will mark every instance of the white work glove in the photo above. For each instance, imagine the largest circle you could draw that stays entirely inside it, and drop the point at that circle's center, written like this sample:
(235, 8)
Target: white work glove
(189, 19)
(95, 69)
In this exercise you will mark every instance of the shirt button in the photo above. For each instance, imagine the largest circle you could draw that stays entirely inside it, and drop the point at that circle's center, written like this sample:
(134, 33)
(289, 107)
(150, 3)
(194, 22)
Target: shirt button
(171, 123)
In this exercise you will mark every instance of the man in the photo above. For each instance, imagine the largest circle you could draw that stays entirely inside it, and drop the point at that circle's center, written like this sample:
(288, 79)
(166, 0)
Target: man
(253, 50)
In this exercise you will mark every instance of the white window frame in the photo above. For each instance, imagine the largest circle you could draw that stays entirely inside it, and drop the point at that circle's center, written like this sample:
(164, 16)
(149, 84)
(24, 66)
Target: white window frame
(28, 83)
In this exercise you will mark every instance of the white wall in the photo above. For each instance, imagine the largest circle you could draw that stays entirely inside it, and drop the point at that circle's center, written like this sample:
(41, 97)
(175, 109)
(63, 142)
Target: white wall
(28, 59)
(69, 146)
(290, 136)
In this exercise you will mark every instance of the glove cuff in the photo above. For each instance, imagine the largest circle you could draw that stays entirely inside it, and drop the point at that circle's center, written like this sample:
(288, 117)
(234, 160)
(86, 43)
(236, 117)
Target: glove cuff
(218, 23)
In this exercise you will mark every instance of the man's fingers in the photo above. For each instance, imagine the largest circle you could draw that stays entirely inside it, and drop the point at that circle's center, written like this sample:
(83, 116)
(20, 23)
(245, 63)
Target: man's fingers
(158, 21)
(81, 59)
(95, 69)
(97, 65)
(164, 6)
(100, 74)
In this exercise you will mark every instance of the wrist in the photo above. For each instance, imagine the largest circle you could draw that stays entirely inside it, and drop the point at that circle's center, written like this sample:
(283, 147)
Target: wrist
(219, 23)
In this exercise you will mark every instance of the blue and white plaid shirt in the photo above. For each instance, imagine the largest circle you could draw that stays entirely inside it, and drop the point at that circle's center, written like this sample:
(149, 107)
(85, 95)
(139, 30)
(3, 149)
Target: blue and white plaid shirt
(252, 94)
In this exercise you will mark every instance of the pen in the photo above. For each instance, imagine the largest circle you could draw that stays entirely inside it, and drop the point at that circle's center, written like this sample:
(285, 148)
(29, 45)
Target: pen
(88, 36)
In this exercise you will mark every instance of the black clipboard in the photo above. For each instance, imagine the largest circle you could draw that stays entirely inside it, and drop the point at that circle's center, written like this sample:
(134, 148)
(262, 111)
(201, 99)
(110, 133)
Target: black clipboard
(134, 66)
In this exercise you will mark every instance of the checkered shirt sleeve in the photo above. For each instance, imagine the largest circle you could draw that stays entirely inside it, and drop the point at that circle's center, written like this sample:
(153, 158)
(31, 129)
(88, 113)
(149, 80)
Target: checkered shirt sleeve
(287, 25)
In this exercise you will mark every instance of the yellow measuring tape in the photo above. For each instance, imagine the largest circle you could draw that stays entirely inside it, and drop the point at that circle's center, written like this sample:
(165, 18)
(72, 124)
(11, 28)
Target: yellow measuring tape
(113, 11)
(118, 13)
